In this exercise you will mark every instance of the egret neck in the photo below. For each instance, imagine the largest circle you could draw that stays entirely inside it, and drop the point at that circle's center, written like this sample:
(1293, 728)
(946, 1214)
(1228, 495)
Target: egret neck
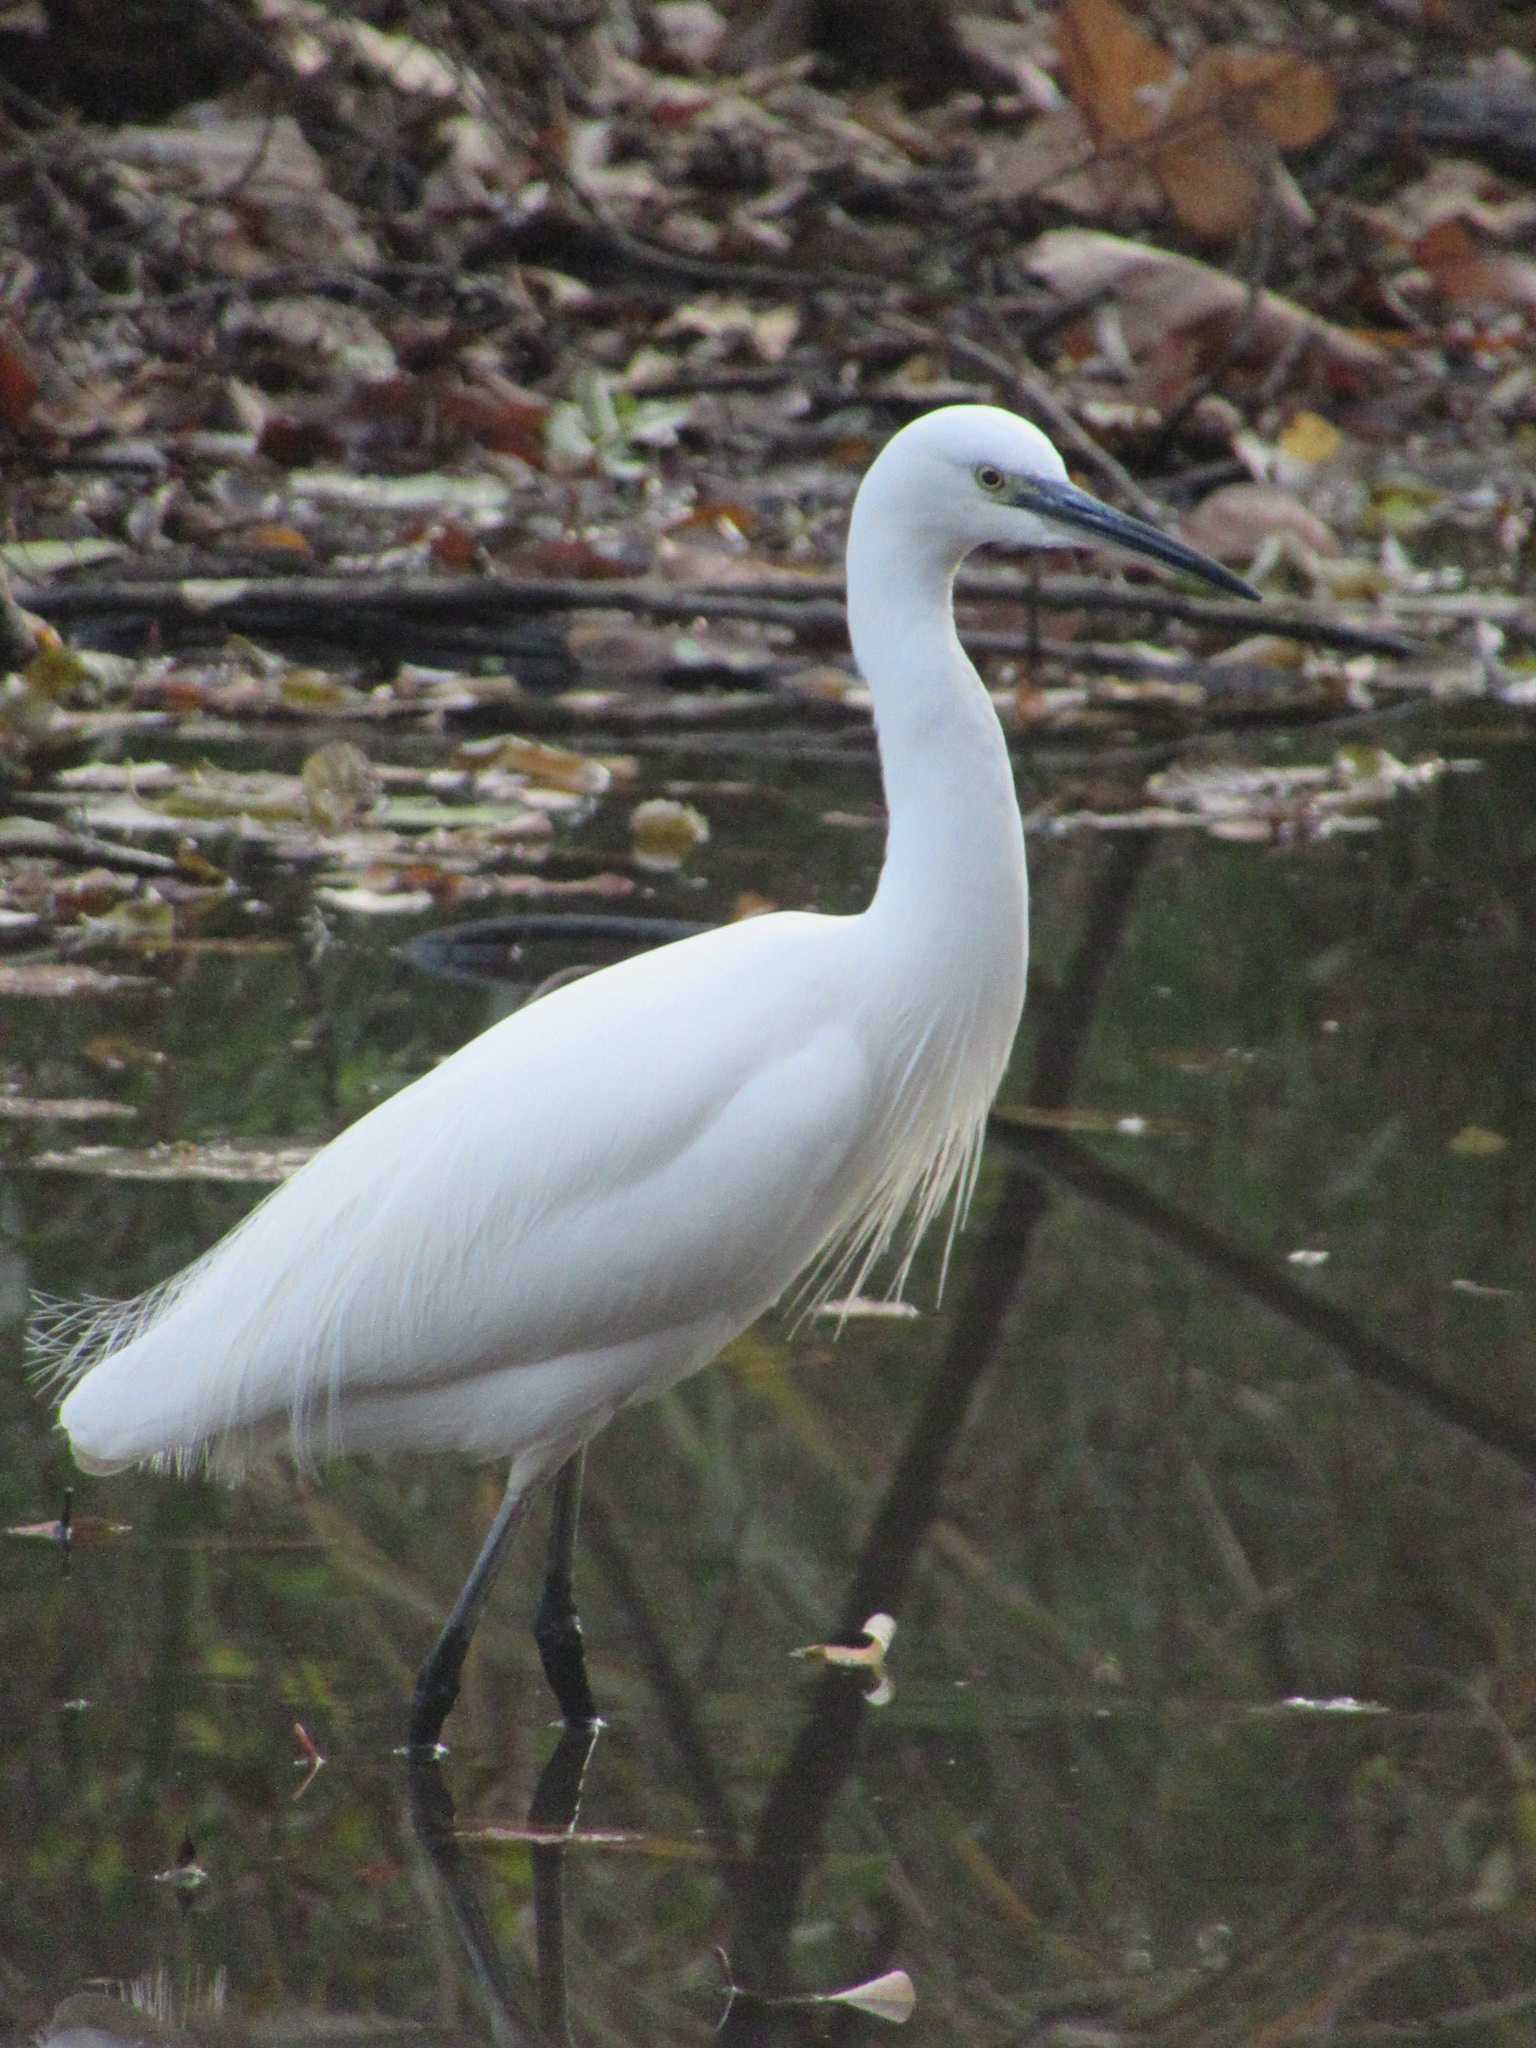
(953, 890)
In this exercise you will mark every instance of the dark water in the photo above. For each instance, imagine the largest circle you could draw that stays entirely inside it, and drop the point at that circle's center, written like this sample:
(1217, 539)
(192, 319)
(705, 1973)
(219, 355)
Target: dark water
(1148, 1522)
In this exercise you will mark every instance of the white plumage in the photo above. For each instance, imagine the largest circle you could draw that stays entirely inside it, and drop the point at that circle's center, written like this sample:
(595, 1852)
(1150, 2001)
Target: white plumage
(593, 1196)
(582, 1205)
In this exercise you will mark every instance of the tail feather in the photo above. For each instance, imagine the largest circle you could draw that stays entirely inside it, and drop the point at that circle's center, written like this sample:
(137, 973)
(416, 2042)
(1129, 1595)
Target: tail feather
(100, 1357)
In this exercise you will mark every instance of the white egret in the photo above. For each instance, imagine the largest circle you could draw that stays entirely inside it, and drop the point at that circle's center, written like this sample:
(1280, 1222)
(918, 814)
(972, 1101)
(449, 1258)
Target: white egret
(591, 1198)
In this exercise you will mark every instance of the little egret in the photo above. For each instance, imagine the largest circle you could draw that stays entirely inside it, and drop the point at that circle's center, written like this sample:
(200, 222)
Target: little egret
(592, 1197)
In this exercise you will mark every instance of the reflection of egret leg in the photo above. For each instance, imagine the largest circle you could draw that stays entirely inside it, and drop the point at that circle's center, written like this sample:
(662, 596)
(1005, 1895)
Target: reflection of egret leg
(556, 1803)
(557, 1626)
(437, 1684)
(432, 1818)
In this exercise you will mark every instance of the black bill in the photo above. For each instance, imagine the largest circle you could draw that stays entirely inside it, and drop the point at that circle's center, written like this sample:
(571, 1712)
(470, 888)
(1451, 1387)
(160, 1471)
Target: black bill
(1065, 505)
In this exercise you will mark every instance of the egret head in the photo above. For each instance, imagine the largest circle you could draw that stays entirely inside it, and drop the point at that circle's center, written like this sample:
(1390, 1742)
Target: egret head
(969, 474)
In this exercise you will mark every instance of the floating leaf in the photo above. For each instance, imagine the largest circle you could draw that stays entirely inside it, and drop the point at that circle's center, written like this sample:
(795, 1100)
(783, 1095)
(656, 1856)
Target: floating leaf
(1341, 1703)
(1112, 1123)
(186, 1874)
(67, 1109)
(115, 1055)
(538, 762)
(227, 793)
(377, 902)
(1235, 520)
(312, 689)
(56, 671)
(665, 832)
(868, 1656)
(1162, 294)
(197, 867)
(139, 920)
(1294, 101)
(213, 1161)
(863, 1305)
(491, 1833)
(58, 978)
(1476, 1141)
(39, 558)
(311, 1762)
(80, 1529)
(341, 785)
(890, 1997)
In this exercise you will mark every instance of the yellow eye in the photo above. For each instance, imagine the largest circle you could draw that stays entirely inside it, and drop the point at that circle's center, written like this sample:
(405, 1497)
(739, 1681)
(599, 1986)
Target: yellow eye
(991, 480)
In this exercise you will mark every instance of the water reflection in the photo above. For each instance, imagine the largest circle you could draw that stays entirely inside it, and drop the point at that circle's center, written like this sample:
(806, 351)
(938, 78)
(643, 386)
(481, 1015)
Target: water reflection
(1123, 1496)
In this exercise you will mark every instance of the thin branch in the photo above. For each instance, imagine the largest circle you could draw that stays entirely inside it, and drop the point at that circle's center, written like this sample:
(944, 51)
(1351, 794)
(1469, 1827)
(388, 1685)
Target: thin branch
(808, 603)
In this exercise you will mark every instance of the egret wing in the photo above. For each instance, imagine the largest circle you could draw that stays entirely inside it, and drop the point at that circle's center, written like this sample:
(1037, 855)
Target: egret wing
(640, 1154)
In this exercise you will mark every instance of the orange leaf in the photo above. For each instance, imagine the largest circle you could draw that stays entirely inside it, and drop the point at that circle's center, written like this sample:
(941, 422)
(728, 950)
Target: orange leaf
(1295, 101)
(510, 425)
(273, 534)
(1209, 171)
(1113, 72)
(1465, 273)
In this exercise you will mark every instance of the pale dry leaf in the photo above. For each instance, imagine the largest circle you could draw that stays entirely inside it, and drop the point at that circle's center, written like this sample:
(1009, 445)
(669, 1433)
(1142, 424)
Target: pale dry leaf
(664, 832)
(888, 1997)
(1159, 294)
(1456, 188)
(879, 1631)
(187, 1161)
(410, 66)
(1233, 522)
(689, 33)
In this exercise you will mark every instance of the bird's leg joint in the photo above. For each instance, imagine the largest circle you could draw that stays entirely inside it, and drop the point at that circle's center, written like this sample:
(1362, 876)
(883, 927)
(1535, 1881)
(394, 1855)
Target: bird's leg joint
(557, 1631)
(437, 1687)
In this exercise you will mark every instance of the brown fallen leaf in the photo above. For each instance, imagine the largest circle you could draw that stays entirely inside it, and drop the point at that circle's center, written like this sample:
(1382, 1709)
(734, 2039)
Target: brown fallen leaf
(1160, 293)
(1234, 521)
(1114, 72)
(1465, 272)
(1208, 137)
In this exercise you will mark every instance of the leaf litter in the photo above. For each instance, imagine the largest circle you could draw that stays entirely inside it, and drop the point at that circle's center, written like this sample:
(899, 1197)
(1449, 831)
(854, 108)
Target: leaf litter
(564, 451)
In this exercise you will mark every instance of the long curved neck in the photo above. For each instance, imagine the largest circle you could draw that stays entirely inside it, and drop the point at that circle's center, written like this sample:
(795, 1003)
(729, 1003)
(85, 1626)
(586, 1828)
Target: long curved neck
(954, 861)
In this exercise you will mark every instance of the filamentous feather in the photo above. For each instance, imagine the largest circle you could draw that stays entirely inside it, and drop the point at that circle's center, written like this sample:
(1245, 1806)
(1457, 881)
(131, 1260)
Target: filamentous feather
(274, 1341)
(592, 1197)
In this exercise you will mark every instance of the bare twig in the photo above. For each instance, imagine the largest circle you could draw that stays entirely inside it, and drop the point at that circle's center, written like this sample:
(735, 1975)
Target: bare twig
(808, 604)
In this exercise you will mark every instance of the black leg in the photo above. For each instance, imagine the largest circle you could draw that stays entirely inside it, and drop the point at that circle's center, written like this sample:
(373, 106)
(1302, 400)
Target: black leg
(556, 1804)
(437, 1683)
(557, 1626)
